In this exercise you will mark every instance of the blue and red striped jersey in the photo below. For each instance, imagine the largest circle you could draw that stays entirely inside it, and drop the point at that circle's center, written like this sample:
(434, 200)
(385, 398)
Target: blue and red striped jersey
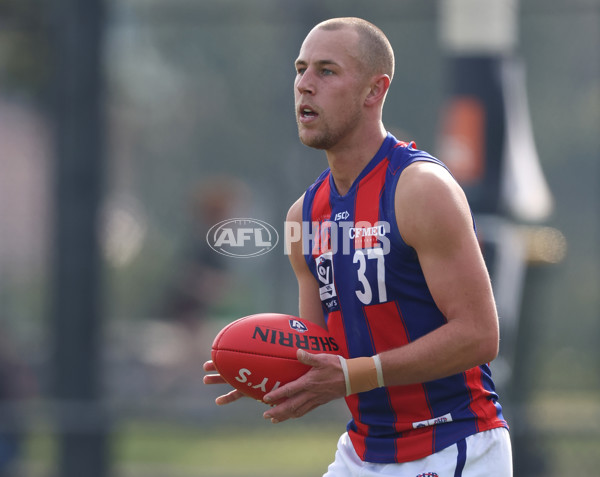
(375, 298)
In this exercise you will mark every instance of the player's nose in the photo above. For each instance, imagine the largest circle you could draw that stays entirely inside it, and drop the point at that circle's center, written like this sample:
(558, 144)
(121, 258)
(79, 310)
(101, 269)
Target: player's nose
(305, 83)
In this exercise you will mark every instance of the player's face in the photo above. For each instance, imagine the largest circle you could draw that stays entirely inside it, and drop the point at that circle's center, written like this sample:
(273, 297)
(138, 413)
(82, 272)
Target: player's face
(329, 88)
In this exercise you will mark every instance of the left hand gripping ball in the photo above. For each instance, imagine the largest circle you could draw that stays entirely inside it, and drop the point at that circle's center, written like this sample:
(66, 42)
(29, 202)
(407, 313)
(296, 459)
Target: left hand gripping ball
(257, 354)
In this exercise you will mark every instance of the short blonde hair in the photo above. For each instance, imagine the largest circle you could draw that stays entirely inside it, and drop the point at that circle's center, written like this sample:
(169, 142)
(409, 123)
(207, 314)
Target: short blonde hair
(376, 53)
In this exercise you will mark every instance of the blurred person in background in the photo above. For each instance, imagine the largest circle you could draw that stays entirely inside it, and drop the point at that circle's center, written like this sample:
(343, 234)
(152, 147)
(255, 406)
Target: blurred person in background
(202, 277)
(199, 284)
(408, 298)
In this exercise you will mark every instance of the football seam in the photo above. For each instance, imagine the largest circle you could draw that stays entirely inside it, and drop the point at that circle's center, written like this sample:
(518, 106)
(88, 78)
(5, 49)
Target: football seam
(255, 353)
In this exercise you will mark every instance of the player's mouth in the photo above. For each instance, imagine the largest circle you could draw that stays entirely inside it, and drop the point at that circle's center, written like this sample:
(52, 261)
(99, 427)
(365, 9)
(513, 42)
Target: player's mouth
(306, 114)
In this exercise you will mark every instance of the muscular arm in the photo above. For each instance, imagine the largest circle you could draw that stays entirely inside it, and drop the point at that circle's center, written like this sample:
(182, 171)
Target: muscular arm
(434, 218)
(309, 306)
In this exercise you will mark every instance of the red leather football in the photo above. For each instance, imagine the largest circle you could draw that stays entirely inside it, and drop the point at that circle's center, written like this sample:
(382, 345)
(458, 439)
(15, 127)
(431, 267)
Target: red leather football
(257, 353)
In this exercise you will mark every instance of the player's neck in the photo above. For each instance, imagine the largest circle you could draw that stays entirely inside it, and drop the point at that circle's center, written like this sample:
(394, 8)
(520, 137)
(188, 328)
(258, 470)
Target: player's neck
(346, 161)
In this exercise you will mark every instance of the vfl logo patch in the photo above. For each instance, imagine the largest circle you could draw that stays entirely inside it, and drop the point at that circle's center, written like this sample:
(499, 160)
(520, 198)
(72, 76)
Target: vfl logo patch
(428, 474)
(298, 326)
(327, 291)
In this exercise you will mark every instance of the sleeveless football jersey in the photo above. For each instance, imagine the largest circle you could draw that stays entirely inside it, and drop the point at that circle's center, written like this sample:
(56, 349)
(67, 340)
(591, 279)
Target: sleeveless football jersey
(375, 298)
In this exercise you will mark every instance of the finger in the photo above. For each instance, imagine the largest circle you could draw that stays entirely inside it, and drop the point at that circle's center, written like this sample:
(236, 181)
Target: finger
(284, 392)
(209, 366)
(307, 358)
(229, 397)
(291, 389)
(213, 379)
(280, 413)
(291, 410)
(304, 409)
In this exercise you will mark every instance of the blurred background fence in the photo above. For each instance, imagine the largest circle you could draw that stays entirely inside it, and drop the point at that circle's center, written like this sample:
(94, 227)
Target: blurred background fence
(128, 128)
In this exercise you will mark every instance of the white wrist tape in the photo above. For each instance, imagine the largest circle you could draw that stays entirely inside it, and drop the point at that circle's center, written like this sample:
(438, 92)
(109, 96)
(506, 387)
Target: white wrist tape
(346, 377)
(377, 361)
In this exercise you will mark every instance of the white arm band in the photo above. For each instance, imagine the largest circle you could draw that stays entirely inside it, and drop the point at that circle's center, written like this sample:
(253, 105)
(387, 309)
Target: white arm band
(346, 377)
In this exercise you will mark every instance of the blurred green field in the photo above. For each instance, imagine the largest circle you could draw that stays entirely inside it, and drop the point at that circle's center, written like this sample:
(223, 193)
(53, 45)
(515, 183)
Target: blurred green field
(286, 450)
(173, 450)
(158, 449)
(564, 435)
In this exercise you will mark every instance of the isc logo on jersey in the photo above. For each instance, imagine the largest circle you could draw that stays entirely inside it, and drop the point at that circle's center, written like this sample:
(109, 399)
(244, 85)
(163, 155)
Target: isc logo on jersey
(242, 237)
(342, 215)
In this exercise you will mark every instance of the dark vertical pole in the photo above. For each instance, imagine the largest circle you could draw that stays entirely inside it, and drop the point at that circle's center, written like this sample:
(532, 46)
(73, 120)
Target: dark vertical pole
(487, 142)
(77, 297)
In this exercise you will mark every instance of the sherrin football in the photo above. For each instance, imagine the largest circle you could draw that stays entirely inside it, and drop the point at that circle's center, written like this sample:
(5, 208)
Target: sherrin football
(257, 354)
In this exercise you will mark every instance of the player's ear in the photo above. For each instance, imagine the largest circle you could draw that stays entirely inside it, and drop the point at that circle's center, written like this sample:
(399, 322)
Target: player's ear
(378, 89)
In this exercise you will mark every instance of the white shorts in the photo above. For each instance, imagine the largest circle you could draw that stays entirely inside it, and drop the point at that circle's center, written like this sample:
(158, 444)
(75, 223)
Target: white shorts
(486, 454)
